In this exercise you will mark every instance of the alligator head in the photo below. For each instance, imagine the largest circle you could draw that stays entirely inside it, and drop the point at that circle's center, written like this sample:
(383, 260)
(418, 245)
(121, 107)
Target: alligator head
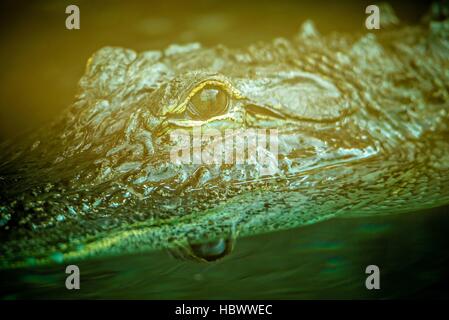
(360, 123)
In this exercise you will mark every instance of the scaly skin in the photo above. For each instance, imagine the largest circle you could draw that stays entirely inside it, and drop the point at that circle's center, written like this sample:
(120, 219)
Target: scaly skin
(363, 129)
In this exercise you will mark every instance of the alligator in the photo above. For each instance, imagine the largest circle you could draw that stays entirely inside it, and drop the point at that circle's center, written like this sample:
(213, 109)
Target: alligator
(363, 130)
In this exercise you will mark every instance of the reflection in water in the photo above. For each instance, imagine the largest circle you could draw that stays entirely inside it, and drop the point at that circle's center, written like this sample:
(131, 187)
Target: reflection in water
(326, 260)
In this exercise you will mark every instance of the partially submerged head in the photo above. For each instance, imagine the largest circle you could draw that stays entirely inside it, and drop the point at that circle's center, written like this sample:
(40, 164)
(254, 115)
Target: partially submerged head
(340, 109)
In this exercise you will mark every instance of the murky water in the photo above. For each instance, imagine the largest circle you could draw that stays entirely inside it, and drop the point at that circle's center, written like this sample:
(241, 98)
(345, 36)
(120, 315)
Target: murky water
(322, 261)
(41, 62)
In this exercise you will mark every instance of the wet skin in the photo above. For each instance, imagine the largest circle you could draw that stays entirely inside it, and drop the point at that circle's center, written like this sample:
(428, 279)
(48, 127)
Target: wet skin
(363, 130)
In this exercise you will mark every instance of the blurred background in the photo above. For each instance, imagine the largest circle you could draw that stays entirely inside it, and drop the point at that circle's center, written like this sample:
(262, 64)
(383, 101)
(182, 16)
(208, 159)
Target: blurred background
(41, 61)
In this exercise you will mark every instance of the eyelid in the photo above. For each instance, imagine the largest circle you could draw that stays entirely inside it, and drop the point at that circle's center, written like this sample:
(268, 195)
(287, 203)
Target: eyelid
(192, 123)
(261, 110)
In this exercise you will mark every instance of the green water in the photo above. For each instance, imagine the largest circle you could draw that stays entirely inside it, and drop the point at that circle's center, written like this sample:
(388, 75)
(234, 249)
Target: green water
(322, 261)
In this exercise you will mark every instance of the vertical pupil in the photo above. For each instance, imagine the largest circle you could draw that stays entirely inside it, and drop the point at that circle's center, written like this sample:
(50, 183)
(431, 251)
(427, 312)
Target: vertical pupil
(209, 102)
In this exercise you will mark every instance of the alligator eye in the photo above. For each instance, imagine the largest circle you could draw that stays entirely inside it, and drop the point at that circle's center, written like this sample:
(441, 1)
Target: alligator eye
(210, 101)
